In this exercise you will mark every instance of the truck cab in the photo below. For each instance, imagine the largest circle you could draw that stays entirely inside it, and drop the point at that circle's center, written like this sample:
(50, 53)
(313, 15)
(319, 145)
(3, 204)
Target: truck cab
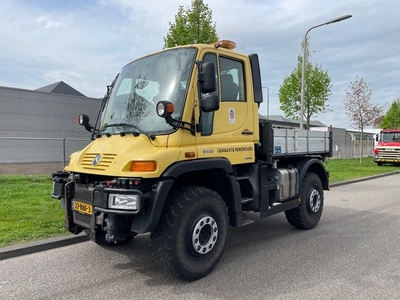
(179, 150)
(387, 149)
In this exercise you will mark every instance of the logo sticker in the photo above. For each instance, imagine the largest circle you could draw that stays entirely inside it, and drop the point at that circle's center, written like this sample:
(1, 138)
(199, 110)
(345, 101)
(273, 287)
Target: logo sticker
(278, 149)
(232, 119)
(96, 160)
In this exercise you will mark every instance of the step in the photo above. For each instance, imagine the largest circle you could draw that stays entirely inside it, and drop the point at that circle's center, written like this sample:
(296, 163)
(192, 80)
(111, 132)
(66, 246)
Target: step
(247, 222)
(247, 200)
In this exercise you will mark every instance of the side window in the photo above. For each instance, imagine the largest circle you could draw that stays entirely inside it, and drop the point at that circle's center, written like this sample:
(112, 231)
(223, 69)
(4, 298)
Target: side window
(206, 118)
(232, 80)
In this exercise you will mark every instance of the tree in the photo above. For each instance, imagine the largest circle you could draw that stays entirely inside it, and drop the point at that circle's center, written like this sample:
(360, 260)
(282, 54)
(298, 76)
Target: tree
(378, 121)
(192, 26)
(317, 90)
(360, 110)
(392, 117)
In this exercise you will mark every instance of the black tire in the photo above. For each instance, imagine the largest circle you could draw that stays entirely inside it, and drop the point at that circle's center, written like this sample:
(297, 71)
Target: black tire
(190, 238)
(308, 213)
(379, 164)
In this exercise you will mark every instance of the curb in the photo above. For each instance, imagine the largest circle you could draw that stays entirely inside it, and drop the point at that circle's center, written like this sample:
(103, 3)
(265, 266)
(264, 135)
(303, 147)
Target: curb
(363, 179)
(48, 244)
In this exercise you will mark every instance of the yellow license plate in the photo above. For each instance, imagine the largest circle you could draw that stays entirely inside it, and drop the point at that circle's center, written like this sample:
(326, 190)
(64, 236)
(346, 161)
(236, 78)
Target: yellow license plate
(83, 207)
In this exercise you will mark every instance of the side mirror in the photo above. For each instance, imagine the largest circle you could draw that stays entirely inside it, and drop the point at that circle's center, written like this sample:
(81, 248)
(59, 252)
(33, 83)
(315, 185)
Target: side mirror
(164, 110)
(209, 103)
(84, 121)
(207, 77)
(377, 137)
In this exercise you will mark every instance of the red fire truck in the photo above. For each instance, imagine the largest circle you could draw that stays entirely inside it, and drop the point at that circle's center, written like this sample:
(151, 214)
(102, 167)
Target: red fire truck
(387, 149)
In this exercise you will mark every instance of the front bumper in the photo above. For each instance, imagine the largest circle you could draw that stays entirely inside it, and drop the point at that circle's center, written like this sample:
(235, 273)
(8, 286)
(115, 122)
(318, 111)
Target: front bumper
(381, 159)
(89, 208)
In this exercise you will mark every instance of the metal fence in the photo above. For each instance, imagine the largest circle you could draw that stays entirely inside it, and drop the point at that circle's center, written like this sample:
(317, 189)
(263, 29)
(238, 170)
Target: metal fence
(353, 149)
(32, 156)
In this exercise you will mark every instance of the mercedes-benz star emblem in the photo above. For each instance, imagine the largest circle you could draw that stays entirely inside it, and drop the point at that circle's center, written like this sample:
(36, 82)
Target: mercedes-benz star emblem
(96, 160)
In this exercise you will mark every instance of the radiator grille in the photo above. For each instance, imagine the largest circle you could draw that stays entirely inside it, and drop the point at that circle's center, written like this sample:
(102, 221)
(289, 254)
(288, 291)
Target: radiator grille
(105, 161)
(393, 153)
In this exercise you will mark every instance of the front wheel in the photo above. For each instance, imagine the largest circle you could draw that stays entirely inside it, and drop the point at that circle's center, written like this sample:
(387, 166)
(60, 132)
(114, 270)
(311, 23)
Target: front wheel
(190, 238)
(308, 213)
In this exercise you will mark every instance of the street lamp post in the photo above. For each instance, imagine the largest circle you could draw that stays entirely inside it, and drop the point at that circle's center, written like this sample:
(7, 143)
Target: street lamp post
(304, 62)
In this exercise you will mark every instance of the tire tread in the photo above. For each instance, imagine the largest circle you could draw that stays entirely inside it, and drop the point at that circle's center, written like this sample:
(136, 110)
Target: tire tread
(297, 216)
(161, 243)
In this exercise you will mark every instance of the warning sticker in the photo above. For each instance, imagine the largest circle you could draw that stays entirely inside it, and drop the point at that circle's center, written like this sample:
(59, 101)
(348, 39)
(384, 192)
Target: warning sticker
(232, 118)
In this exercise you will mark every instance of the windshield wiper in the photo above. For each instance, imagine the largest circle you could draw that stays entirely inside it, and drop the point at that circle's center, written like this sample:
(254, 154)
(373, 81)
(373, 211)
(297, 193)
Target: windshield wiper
(99, 134)
(121, 124)
(136, 132)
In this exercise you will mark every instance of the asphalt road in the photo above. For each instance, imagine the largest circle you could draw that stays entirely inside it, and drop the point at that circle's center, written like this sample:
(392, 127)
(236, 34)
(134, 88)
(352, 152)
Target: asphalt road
(354, 253)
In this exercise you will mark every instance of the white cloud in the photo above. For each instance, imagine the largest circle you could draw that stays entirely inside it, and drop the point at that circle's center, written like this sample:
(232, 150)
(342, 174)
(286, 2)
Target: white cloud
(86, 43)
(49, 24)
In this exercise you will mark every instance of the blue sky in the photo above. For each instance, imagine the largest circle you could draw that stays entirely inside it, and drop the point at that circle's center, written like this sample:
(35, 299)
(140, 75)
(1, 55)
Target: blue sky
(85, 43)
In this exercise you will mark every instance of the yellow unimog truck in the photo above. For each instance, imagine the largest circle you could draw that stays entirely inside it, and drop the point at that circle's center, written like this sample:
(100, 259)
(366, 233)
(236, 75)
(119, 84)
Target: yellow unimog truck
(179, 150)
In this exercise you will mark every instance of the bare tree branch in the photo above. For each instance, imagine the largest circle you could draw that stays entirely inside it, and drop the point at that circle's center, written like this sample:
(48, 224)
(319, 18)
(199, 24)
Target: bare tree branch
(360, 110)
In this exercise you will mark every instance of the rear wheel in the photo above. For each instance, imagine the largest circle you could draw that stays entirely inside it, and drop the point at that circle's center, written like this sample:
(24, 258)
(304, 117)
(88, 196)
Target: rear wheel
(190, 238)
(308, 213)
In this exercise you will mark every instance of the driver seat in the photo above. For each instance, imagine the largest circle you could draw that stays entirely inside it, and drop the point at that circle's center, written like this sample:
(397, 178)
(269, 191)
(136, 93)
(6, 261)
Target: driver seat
(229, 89)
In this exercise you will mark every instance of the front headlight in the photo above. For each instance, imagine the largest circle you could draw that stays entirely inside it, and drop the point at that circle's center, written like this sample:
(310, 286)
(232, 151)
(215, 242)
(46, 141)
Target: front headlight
(121, 201)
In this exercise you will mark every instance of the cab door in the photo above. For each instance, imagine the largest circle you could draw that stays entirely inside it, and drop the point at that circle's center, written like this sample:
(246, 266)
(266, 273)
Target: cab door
(229, 131)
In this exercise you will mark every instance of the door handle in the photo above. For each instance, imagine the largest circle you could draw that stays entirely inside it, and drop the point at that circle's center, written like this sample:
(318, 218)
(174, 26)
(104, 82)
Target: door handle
(246, 132)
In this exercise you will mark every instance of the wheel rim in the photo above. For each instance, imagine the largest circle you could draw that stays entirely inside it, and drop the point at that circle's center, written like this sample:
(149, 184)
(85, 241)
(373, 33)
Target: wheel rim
(204, 235)
(315, 201)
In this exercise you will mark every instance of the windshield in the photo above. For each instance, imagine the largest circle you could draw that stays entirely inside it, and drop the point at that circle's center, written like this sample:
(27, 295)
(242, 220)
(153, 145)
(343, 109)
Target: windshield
(390, 136)
(141, 84)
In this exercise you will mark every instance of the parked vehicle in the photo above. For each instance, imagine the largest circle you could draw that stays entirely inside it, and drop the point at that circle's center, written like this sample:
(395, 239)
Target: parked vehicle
(387, 149)
(179, 150)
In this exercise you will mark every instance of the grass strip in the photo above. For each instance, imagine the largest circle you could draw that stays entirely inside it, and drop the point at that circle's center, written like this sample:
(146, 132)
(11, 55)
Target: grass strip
(348, 169)
(28, 213)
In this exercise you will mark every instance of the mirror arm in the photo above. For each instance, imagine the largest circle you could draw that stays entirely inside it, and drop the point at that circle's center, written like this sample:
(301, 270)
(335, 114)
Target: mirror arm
(89, 128)
(180, 124)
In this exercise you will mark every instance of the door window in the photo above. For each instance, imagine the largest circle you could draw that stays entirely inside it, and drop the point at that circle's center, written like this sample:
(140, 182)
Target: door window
(232, 80)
